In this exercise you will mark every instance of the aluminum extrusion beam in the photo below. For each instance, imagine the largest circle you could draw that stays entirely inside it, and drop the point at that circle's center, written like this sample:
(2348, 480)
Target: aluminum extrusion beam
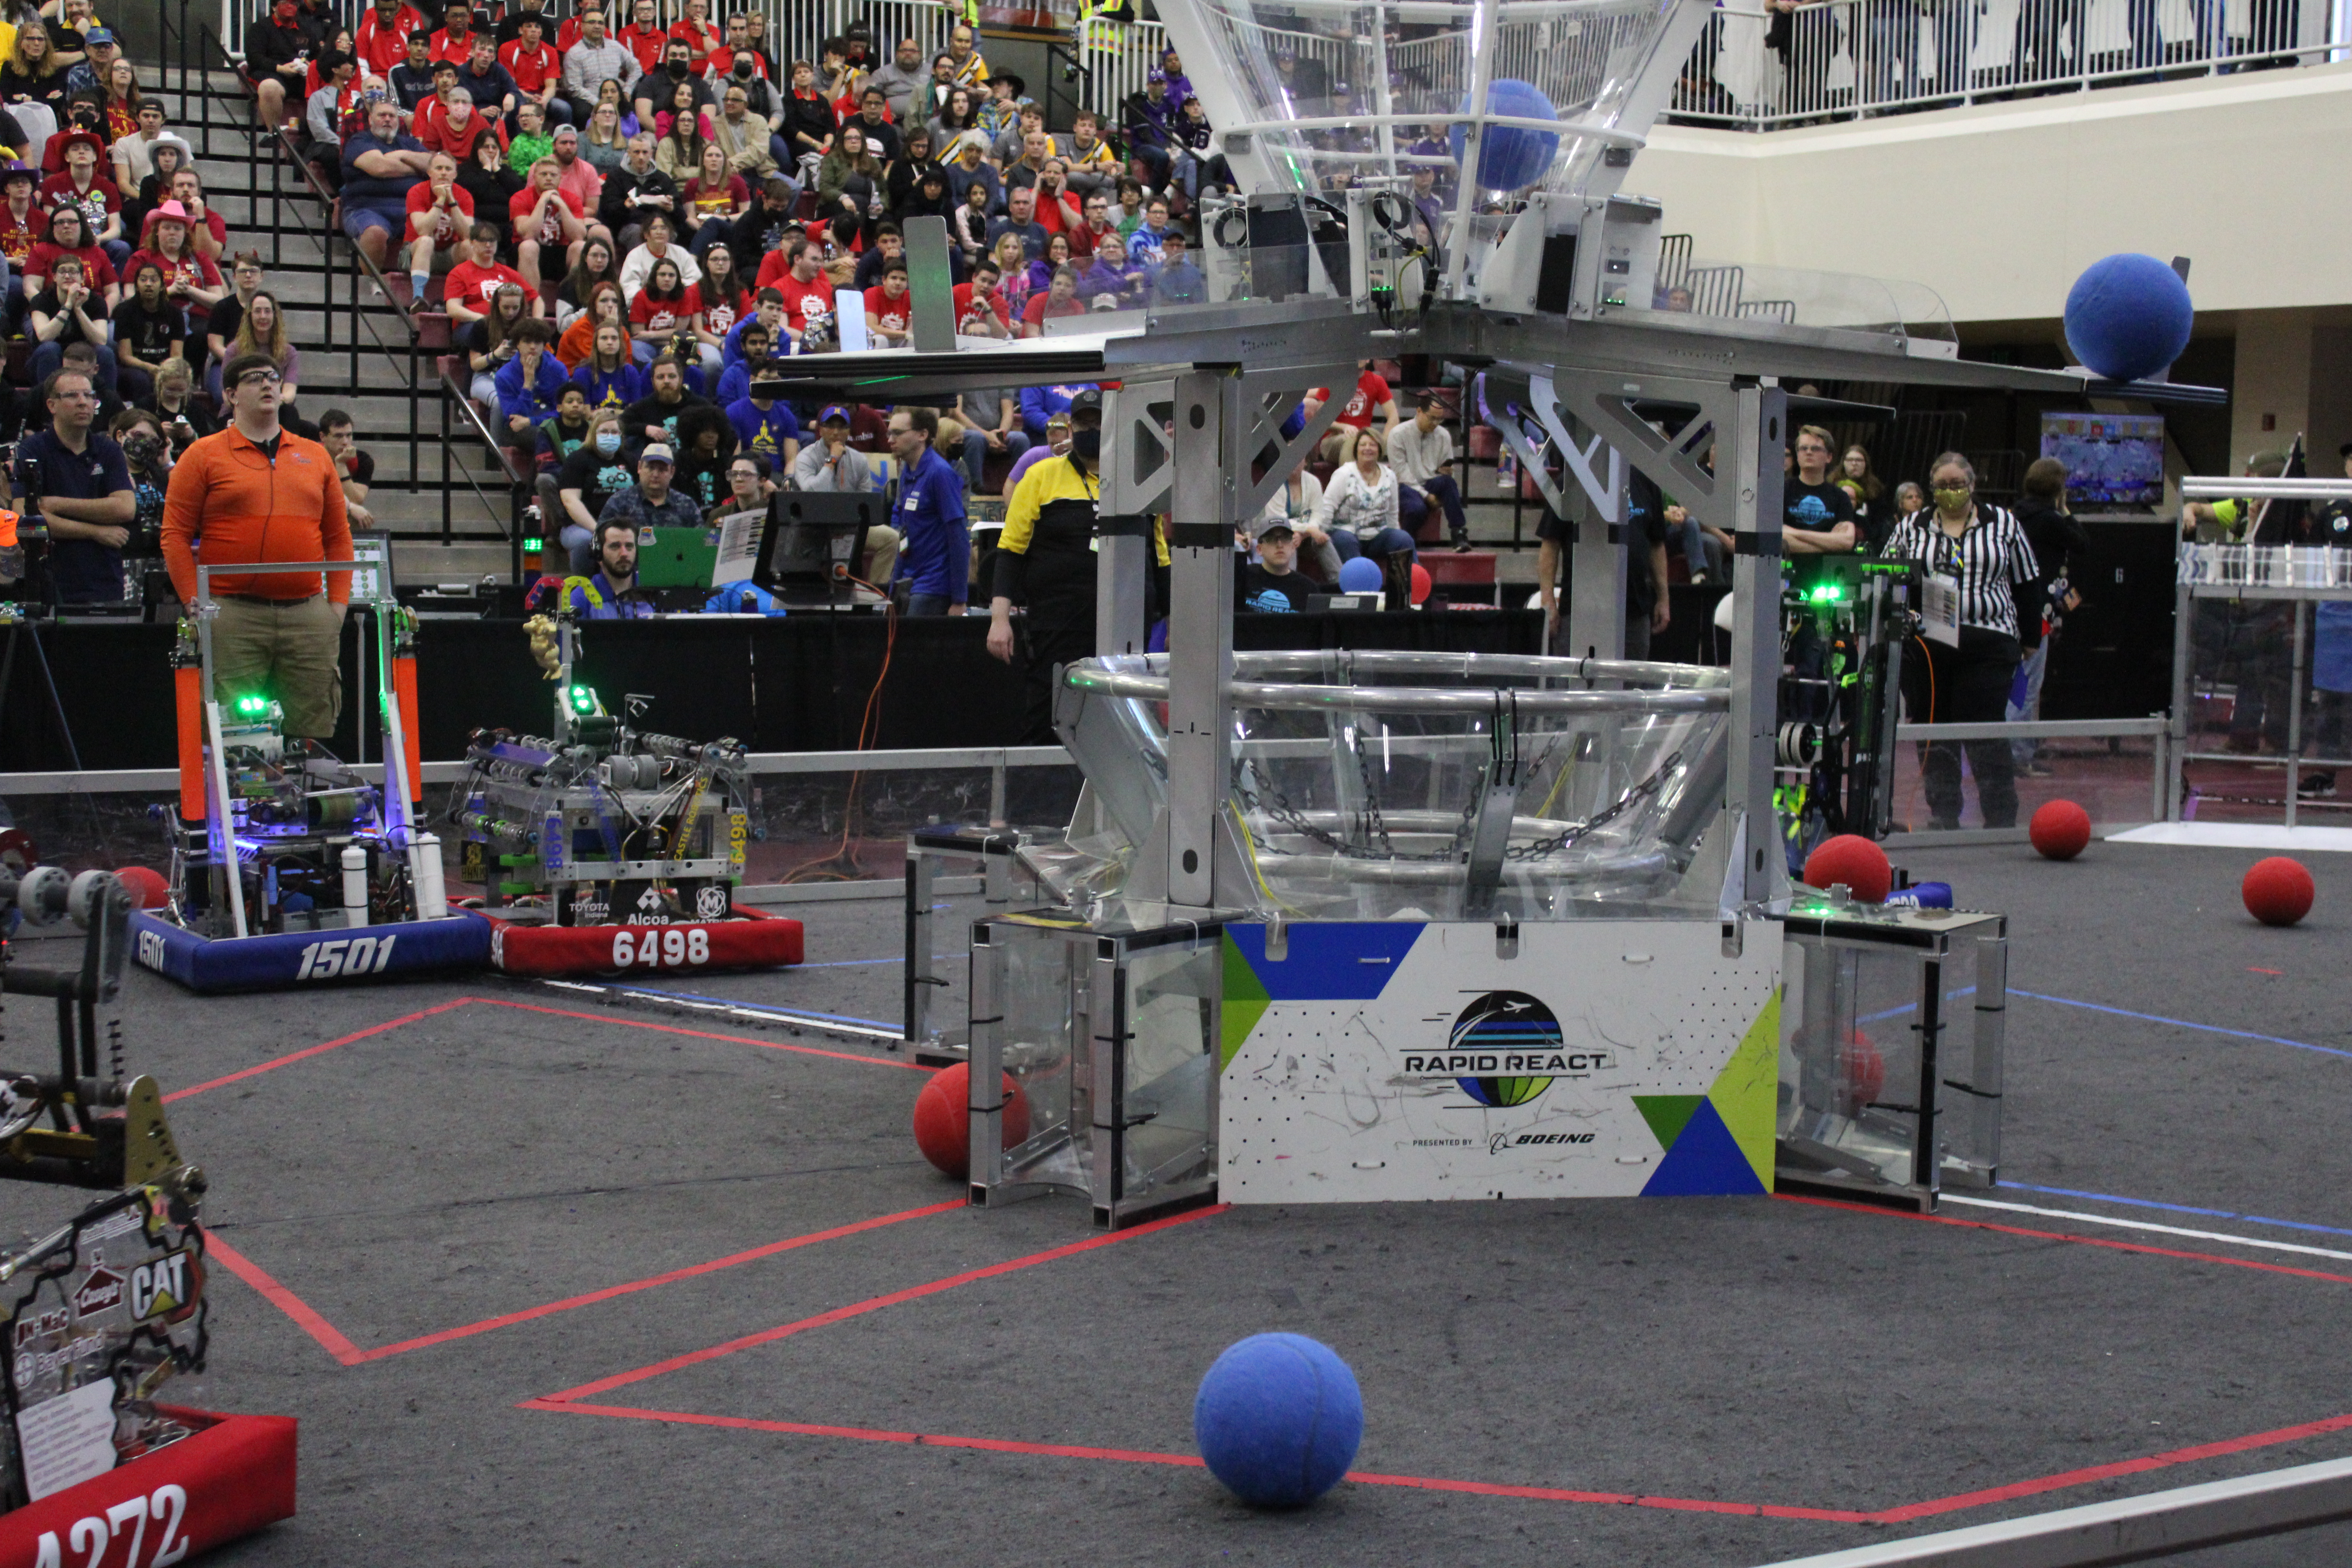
(2133, 1530)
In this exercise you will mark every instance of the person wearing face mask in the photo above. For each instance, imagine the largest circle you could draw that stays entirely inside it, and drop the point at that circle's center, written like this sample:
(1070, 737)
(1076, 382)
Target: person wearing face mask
(1045, 560)
(1969, 656)
(593, 475)
(149, 455)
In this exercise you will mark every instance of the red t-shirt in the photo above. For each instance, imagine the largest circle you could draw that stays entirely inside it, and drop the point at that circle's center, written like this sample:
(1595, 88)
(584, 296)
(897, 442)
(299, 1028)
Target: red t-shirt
(475, 284)
(894, 314)
(382, 46)
(101, 199)
(775, 268)
(1085, 239)
(651, 315)
(1035, 313)
(96, 269)
(439, 136)
(457, 50)
(1371, 391)
(551, 230)
(719, 198)
(19, 236)
(645, 45)
(705, 41)
(804, 299)
(718, 312)
(420, 201)
(192, 269)
(966, 313)
(531, 69)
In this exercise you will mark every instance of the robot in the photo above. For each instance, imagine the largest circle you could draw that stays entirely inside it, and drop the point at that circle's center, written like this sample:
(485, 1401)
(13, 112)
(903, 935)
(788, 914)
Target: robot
(603, 846)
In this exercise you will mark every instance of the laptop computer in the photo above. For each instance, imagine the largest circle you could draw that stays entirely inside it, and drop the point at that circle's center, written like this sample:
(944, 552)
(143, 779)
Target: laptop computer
(677, 557)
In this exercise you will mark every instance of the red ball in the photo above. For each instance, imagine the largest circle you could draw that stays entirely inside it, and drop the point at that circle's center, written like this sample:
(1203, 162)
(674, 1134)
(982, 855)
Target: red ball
(2278, 892)
(1855, 860)
(942, 1119)
(147, 889)
(1421, 583)
(1861, 1072)
(2060, 830)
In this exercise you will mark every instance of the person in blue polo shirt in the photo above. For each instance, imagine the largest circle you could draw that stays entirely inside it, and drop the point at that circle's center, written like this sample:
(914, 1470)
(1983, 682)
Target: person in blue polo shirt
(935, 557)
(764, 424)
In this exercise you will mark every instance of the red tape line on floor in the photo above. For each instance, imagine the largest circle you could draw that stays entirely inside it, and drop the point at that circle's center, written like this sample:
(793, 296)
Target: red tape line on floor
(293, 1056)
(872, 1304)
(315, 1324)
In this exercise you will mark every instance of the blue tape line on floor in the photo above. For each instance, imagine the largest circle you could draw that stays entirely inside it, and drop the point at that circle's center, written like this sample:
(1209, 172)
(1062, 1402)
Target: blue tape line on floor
(2184, 1024)
(2178, 1208)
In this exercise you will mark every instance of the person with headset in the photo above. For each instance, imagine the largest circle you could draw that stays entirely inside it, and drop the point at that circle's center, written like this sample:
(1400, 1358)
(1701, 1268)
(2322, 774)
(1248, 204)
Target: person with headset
(255, 491)
(1045, 560)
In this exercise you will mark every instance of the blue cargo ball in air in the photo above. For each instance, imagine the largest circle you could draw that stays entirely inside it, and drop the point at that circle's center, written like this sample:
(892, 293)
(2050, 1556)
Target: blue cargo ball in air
(2128, 316)
(1277, 1419)
(1511, 157)
(1361, 575)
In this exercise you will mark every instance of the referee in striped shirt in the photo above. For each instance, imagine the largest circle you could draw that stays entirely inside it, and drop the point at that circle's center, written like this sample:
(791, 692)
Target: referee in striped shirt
(1986, 551)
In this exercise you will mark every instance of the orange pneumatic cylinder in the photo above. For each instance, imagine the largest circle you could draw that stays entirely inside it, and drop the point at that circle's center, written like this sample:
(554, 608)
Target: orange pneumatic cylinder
(187, 690)
(403, 688)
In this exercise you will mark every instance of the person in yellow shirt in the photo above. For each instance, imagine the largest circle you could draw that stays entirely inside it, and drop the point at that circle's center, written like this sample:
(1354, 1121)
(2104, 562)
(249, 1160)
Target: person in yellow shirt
(1045, 560)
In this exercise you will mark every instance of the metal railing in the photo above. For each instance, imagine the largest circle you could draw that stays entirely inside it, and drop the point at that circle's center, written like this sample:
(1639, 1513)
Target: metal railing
(1847, 58)
(458, 395)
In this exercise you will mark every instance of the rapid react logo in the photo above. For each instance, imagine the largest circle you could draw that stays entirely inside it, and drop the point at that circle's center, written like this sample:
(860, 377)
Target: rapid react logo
(1505, 1051)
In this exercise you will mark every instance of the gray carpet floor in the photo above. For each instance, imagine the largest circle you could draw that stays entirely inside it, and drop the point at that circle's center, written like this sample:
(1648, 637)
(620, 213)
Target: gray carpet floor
(534, 1145)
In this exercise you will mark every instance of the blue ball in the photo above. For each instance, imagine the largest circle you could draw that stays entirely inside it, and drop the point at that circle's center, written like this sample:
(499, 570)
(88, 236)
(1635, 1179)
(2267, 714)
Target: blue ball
(2128, 316)
(1361, 575)
(1277, 1419)
(1511, 157)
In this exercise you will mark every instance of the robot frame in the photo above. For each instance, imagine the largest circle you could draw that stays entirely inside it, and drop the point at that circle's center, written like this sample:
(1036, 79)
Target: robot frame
(289, 867)
(603, 848)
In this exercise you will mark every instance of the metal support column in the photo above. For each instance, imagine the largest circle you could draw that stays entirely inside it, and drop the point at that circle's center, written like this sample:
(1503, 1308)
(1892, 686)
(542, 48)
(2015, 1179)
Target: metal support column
(1747, 456)
(1201, 633)
(2184, 685)
(1597, 568)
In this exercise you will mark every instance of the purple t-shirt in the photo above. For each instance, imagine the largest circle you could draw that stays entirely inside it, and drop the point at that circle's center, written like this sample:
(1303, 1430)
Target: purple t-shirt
(1022, 464)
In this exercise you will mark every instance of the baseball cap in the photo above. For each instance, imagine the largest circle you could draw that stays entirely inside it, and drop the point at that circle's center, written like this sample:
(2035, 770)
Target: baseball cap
(1264, 525)
(1088, 401)
(835, 414)
(100, 35)
(657, 452)
(562, 132)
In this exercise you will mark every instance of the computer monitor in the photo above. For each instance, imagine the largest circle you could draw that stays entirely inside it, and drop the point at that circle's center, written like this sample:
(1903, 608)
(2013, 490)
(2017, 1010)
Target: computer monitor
(815, 540)
(2112, 459)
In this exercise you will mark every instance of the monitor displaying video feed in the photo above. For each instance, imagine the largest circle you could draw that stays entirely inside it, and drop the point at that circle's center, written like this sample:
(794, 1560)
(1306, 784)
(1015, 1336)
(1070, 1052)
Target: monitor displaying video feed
(2112, 459)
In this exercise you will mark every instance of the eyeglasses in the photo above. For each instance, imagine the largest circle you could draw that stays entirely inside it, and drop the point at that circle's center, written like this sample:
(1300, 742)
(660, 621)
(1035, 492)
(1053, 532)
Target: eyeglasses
(259, 378)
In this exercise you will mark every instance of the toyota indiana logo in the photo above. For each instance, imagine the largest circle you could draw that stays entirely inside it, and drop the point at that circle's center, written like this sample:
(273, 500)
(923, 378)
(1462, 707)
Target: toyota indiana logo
(1504, 1050)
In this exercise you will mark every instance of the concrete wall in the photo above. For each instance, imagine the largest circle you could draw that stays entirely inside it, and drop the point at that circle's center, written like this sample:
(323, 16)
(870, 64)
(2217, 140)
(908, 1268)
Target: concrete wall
(1999, 206)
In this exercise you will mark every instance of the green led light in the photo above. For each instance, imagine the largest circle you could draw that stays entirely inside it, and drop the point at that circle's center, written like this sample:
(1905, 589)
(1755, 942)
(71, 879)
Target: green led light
(532, 545)
(1827, 594)
(254, 706)
(583, 699)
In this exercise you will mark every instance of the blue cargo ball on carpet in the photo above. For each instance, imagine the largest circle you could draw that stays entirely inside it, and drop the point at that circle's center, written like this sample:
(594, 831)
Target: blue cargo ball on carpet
(1511, 157)
(2128, 316)
(1277, 1419)
(1361, 575)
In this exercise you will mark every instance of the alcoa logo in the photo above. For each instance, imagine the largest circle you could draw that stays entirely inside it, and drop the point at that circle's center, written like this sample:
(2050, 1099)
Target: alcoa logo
(1504, 1050)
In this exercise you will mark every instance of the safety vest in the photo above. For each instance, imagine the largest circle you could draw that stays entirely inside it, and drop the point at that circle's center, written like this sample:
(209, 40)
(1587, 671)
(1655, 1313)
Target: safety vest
(1102, 23)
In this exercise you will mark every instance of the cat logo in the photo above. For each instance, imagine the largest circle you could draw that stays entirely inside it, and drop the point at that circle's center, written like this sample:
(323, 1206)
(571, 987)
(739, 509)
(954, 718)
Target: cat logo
(160, 1288)
(102, 1289)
